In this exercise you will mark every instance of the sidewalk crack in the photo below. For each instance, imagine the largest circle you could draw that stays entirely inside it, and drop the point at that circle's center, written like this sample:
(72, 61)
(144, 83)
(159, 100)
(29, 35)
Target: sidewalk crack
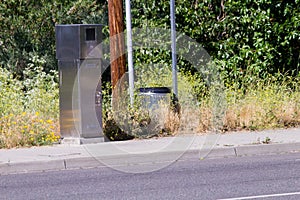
(235, 152)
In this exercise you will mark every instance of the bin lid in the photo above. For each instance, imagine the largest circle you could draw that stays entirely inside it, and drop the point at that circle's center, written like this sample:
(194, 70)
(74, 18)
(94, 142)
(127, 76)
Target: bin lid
(155, 90)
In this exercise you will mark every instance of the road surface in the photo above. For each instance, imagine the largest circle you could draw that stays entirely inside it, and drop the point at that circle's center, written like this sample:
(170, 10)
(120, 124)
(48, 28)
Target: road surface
(255, 177)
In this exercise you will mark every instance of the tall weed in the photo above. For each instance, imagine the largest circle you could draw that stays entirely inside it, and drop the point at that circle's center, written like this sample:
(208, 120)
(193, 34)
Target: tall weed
(29, 108)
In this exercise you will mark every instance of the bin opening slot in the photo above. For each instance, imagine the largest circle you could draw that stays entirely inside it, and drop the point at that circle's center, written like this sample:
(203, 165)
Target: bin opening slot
(90, 34)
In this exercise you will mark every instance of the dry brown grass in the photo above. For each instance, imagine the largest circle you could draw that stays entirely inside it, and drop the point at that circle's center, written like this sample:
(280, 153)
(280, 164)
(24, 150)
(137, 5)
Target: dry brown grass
(262, 104)
(270, 106)
(288, 114)
(265, 108)
(171, 120)
(205, 119)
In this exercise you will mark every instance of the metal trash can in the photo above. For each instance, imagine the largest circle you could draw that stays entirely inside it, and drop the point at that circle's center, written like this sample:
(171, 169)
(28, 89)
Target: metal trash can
(151, 97)
(79, 65)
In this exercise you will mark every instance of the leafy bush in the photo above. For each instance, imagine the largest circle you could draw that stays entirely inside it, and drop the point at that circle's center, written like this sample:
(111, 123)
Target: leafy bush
(252, 38)
(29, 27)
(29, 108)
(246, 39)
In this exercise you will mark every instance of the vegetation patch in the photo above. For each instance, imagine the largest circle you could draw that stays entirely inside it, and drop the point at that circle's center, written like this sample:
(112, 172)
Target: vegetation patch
(253, 44)
(29, 108)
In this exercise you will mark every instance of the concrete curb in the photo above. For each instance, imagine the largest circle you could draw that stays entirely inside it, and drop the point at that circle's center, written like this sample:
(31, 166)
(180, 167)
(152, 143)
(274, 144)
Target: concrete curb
(266, 149)
(86, 162)
(35, 166)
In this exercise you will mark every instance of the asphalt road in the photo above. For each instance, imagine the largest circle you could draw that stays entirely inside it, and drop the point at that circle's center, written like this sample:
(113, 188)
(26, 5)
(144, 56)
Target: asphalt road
(256, 177)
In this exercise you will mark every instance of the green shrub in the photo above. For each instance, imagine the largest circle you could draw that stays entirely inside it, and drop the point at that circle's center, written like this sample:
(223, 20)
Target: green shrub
(29, 108)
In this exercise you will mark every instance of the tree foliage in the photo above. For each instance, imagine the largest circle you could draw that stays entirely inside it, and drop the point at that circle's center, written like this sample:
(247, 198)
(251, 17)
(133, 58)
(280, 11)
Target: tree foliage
(28, 28)
(245, 38)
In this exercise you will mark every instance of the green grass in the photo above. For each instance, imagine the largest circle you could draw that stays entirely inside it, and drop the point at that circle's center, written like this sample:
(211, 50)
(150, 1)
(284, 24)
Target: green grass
(29, 110)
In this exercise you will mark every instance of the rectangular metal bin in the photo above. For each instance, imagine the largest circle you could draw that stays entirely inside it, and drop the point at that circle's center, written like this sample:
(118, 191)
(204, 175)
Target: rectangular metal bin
(79, 56)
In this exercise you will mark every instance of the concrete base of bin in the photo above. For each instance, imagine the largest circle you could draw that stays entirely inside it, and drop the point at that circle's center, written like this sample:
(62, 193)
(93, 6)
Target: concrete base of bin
(73, 140)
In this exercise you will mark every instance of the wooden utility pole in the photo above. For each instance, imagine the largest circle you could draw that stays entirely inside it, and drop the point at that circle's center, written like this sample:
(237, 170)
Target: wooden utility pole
(117, 47)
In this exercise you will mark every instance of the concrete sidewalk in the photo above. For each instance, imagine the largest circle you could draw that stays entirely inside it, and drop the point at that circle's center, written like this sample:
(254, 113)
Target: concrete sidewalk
(159, 151)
